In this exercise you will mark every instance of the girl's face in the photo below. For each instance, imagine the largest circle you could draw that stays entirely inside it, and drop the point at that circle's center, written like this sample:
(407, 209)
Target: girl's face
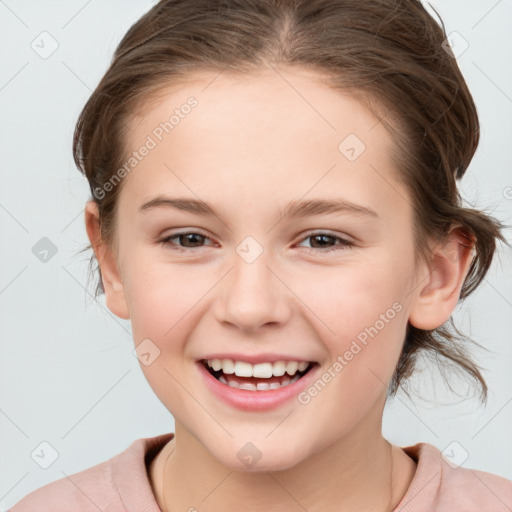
(333, 286)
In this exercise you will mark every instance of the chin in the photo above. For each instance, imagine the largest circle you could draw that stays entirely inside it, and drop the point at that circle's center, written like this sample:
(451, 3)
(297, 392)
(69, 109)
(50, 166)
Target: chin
(249, 459)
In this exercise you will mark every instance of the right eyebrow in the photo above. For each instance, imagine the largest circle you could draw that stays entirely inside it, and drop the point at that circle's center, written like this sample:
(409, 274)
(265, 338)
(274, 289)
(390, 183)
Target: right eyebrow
(189, 205)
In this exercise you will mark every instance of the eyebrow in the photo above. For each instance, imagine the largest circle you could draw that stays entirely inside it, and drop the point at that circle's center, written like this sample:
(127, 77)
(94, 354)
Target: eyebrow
(296, 208)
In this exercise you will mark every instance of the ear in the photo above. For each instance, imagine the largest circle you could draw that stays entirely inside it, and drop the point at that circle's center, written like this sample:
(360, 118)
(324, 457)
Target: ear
(110, 275)
(435, 301)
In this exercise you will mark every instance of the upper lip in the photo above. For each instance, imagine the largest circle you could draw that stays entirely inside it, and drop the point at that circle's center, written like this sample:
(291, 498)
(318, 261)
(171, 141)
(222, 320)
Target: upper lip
(256, 358)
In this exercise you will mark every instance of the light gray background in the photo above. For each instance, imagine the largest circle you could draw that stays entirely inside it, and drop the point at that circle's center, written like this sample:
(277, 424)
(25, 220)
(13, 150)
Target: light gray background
(67, 372)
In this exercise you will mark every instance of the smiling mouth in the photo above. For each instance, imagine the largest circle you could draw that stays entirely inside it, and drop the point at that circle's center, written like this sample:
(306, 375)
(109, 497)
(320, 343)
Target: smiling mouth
(250, 383)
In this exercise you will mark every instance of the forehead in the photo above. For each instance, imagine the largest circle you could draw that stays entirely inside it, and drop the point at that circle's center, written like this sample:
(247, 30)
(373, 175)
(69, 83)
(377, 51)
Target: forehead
(282, 132)
(295, 103)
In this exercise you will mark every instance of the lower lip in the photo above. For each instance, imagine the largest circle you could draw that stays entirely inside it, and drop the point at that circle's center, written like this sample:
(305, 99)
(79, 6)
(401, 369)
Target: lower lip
(255, 400)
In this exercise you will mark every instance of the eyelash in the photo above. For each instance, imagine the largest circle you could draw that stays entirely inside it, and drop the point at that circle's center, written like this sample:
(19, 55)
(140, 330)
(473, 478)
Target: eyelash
(345, 244)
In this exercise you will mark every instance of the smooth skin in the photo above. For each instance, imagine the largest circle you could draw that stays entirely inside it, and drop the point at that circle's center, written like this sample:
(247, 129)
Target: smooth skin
(252, 144)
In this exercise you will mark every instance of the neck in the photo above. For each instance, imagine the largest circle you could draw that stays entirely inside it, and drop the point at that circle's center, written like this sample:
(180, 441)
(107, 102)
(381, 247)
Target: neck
(357, 473)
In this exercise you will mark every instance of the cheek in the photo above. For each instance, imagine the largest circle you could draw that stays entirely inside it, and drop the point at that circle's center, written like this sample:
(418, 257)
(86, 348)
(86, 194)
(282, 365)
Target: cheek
(348, 298)
(369, 327)
(162, 299)
(166, 301)
(361, 318)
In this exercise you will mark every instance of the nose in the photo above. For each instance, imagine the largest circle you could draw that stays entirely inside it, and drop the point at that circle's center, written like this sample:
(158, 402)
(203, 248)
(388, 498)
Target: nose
(253, 295)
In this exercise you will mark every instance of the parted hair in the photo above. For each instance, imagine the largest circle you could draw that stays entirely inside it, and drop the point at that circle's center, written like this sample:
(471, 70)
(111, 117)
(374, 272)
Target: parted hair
(391, 54)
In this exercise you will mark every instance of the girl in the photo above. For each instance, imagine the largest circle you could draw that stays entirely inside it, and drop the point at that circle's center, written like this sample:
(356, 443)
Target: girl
(274, 207)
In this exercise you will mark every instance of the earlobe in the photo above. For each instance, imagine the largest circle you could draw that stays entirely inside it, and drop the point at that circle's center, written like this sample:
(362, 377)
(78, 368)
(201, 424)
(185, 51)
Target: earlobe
(438, 289)
(110, 274)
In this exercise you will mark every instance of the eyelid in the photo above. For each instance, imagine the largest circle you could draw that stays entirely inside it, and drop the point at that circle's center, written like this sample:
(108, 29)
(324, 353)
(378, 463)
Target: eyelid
(328, 232)
(344, 242)
(182, 232)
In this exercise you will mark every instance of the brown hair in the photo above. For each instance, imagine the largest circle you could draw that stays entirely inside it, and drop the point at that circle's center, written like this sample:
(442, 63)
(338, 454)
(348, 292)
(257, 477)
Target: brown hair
(391, 54)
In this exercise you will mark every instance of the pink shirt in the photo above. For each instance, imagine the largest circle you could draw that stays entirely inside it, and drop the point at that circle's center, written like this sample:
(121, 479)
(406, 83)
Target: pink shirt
(121, 484)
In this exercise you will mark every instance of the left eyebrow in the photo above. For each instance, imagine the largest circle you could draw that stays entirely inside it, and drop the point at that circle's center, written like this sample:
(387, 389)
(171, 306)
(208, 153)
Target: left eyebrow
(297, 208)
(324, 206)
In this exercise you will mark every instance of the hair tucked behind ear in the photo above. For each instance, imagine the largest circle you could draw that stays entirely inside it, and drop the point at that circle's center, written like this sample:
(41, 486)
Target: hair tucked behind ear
(389, 53)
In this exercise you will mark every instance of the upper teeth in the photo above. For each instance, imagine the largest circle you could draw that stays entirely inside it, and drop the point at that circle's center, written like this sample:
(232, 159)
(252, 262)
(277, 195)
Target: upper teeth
(261, 370)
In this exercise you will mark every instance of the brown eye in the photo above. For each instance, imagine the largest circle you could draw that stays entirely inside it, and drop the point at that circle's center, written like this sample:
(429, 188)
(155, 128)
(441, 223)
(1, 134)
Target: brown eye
(185, 240)
(324, 241)
(191, 239)
(321, 241)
